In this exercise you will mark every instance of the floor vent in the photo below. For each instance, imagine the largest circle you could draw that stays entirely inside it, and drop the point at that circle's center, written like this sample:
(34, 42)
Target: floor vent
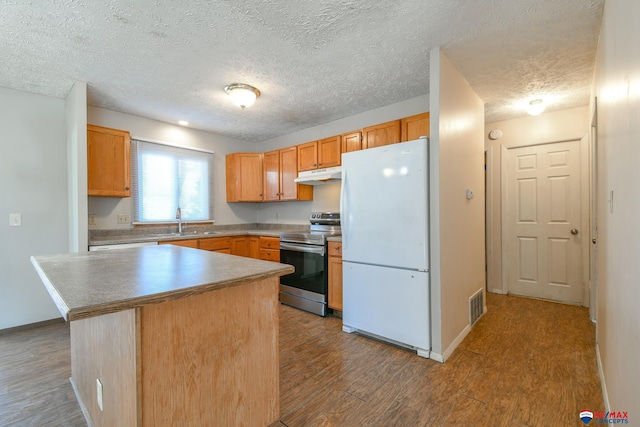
(476, 306)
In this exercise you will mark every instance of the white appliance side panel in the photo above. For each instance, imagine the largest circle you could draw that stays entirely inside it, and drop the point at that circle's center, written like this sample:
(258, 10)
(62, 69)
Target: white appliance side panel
(384, 210)
(388, 302)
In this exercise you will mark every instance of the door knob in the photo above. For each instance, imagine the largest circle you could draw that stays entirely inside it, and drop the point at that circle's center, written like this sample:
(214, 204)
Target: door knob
(593, 241)
(574, 231)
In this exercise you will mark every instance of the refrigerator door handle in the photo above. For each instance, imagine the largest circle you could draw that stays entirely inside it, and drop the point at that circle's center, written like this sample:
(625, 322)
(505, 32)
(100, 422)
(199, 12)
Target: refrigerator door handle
(344, 209)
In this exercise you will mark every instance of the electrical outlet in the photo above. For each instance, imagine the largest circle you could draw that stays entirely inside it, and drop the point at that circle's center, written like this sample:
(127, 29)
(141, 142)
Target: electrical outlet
(123, 219)
(92, 220)
(99, 393)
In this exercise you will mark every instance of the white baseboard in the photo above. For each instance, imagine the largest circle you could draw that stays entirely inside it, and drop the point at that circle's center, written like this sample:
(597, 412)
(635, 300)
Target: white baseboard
(498, 291)
(449, 351)
(605, 395)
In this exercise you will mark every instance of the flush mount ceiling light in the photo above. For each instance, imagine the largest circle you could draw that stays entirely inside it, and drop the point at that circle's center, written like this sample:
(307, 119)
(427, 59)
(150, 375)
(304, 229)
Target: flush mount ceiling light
(242, 94)
(536, 107)
(183, 123)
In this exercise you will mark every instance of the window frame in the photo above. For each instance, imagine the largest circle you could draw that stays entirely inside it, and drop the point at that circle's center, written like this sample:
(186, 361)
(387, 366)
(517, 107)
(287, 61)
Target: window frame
(178, 153)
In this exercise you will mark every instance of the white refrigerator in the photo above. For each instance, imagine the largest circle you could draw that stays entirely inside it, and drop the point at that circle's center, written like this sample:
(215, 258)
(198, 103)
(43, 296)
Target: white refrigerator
(384, 213)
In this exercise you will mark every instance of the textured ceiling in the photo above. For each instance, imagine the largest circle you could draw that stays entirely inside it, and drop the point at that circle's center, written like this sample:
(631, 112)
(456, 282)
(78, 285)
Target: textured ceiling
(313, 60)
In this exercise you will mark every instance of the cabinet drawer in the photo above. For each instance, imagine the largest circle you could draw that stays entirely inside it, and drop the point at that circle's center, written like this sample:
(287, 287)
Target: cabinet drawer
(269, 242)
(215, 243)
(335, 248)
(269, 254)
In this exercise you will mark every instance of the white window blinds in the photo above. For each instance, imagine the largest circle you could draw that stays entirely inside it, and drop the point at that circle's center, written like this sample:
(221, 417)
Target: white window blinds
(165, 177)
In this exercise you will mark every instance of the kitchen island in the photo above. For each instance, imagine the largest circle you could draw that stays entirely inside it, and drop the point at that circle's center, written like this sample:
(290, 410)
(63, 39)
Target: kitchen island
(167, 335)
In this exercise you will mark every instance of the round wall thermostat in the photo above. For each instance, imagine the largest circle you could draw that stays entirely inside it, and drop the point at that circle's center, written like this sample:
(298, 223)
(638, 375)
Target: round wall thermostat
(495, 134)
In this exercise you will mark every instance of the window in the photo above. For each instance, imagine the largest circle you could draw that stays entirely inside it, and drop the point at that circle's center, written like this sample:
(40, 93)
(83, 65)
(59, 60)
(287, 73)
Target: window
(166, 177)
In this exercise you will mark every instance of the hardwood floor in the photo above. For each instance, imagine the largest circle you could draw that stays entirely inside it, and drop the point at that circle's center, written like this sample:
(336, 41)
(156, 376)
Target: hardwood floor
(525, 363)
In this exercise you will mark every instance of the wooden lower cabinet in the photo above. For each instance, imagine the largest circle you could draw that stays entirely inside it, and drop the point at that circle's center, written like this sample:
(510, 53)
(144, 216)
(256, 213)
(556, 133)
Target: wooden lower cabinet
(269, 248)
(216, 244)
(239, 246)
(189, 243)
(253, 246)
(258, 247)
(335, 275)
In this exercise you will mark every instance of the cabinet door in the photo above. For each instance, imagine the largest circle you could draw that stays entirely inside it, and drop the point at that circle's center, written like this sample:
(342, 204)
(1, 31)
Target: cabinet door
(289, 190)
(271, 165)
(329, 152)
(308, 156)
(382, 134)
(244, 177)
(253, 247)
(335, 275)
(108, 172)
(239, 246)
(351, 142)
(414, 127)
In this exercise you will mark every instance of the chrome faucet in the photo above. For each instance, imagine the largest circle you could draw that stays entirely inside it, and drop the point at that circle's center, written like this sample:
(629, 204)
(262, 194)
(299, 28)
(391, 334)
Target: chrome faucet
(179, 218)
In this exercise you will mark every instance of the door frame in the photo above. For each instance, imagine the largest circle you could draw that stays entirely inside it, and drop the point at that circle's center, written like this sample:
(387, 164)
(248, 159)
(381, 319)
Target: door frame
(593, 215)
(584, 211)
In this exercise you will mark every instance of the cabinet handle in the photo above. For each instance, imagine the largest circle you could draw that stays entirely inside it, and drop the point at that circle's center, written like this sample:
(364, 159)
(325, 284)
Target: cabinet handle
(126, 188)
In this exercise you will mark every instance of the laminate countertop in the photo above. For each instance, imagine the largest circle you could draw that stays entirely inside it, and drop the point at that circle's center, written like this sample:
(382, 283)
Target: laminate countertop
(91, 284)
(160, 237)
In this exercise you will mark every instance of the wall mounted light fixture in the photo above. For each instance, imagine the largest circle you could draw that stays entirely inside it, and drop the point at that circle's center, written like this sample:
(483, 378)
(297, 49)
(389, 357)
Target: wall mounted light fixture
(241, 94)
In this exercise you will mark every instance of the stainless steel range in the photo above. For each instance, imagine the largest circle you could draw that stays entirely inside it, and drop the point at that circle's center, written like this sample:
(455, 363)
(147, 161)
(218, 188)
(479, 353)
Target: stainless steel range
(307, 287)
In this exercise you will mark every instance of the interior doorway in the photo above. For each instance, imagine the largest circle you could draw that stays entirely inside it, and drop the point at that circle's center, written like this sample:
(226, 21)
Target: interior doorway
(543, 209)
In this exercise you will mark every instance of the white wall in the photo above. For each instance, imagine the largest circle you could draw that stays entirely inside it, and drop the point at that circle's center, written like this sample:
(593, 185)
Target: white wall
(556, 126)
(457, 224)
(327, 197)
(33, 182)
(617, 86)
(106, 209)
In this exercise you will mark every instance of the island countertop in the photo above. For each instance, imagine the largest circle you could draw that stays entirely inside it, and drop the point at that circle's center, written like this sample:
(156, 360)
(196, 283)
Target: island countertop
(91, 284)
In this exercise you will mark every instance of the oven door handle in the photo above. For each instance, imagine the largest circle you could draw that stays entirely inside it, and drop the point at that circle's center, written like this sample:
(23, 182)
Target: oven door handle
(302, 248)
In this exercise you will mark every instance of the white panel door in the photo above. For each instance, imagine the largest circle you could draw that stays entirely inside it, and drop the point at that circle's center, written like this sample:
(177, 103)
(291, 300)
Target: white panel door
(388, 302)
(543, 222)
(384, 205)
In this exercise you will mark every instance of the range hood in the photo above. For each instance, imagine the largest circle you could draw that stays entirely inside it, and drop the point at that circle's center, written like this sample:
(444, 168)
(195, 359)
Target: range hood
(320, 176)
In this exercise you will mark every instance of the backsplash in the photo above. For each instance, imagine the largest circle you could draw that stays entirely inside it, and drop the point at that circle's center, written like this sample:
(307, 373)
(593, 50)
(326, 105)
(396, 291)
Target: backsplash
(200, 228)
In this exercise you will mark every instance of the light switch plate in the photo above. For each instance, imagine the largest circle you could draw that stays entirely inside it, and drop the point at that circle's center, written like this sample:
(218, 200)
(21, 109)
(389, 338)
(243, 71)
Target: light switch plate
(15, 220)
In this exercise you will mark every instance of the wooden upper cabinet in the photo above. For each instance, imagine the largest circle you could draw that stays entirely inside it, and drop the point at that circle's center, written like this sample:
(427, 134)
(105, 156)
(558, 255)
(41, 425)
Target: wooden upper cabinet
(382, 134)
(329, 152)
(280, 170)
(108, 172)
(271, 166)
(351, 141)
(244, 177)
(414, 127)
(319, 154)
(289, 190)
(308, 156)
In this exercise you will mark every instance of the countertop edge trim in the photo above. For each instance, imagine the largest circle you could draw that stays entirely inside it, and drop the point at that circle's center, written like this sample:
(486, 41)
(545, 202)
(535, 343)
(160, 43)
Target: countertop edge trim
(133, 303)
(61, 305)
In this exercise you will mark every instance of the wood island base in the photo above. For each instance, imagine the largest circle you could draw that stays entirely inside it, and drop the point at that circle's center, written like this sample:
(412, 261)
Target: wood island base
(203, 360)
